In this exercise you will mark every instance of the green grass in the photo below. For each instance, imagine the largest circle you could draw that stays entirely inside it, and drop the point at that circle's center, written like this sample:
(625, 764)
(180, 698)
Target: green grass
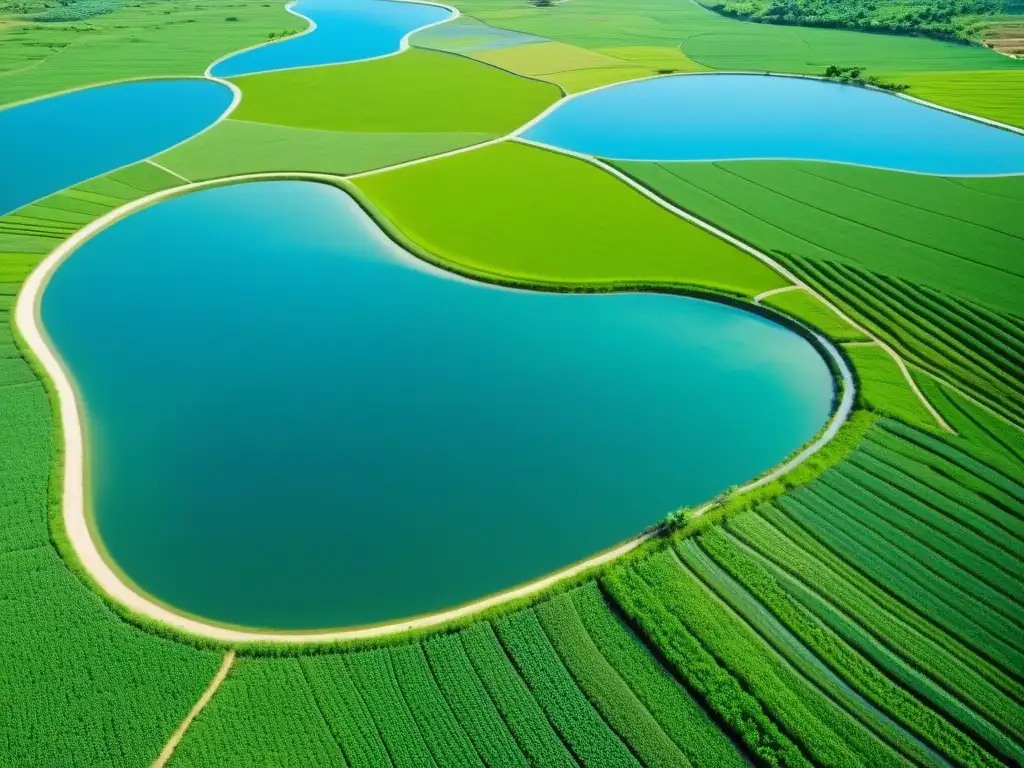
(415, 92)
(235, 147)
(181, 38)
(958, 236)
(518, 212)
(803, 306)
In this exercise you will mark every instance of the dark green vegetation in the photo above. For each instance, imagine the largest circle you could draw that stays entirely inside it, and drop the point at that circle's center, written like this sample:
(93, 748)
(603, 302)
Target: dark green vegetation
(135, 40)
(562, 684)
(469, 210)
(929, 264)
(79, 685)
(872, 616)
(957, 19)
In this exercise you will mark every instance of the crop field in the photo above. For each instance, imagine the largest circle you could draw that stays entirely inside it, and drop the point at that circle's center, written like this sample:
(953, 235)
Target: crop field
(954, 235)
(537, 216)
(862, 608)
(839, 612)
(235, 146)
(995, 95)
(356, 117)
(38, 58)
(413, 92)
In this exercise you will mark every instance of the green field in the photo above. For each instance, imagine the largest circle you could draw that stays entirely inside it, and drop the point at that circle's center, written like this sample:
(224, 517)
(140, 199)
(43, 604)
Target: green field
(518, 212)
(865, 609)
(414, 92)
(131, 42)
(995, 95)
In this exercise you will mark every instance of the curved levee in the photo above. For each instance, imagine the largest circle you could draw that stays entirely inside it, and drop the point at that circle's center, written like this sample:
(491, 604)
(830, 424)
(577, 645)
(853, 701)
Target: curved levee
(119, 589)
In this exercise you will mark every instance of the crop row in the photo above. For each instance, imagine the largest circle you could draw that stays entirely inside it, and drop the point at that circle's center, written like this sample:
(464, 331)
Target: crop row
(563, 684)
(857, 670)
(926, 332)
(976, 626)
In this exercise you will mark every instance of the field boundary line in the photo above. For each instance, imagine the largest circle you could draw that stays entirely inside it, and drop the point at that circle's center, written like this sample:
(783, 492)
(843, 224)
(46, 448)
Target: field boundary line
(28, 321)
(172, 743)
(772, 292)
(757, 254)
(155, 164)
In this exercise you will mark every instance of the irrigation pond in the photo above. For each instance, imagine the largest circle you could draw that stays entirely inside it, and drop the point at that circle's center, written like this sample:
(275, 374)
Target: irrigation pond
(733, 117)
(293, 423)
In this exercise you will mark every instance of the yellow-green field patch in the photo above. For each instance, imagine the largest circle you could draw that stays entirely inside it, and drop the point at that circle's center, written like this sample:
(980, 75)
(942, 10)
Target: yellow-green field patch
(417, 91)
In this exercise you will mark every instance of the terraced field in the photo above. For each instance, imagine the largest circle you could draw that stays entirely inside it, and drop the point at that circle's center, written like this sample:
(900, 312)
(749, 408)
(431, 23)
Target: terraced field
(865, 608)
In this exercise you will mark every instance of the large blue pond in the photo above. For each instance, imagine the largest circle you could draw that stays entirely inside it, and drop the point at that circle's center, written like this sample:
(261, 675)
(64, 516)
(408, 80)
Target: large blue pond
(731, 117)
(51, 144)
(346, 30)
(291, 423)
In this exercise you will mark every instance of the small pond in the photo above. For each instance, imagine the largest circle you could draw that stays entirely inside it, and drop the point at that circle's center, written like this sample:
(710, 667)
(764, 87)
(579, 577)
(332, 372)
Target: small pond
(53, 143)
(346, 30)
(292, 423)
(732, 117)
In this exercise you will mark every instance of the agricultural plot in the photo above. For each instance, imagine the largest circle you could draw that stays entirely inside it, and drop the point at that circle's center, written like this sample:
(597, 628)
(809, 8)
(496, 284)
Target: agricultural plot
(413, 92)
(958, 236)
(561, 683)
(515, 212)
(860, 581)
(39, 58)
(718, 42)
(79, 682)
(809, 309)
(235, 147)
(977, 349)
(996, 95)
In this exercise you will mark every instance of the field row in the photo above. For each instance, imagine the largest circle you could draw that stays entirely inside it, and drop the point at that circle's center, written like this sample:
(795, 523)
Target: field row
(871, 617)
(977, 349)
(565, 683)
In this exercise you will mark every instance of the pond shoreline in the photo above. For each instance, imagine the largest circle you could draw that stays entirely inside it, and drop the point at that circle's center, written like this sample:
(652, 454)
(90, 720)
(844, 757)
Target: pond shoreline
(97, 568)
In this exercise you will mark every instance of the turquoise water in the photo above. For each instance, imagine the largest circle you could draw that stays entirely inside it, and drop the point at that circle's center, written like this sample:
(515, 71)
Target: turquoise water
(291, 423)
(53, 143)
(346, 30)
(732, 117)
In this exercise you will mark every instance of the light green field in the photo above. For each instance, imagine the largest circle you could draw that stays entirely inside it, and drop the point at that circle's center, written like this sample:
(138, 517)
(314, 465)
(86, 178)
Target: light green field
(995, 95)
(235, 147)
(183, 38)
(534, 215)
(803, 306)
(414, 92)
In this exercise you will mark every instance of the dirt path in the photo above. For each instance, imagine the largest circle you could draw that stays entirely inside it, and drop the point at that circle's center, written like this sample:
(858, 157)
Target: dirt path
(168, 750)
